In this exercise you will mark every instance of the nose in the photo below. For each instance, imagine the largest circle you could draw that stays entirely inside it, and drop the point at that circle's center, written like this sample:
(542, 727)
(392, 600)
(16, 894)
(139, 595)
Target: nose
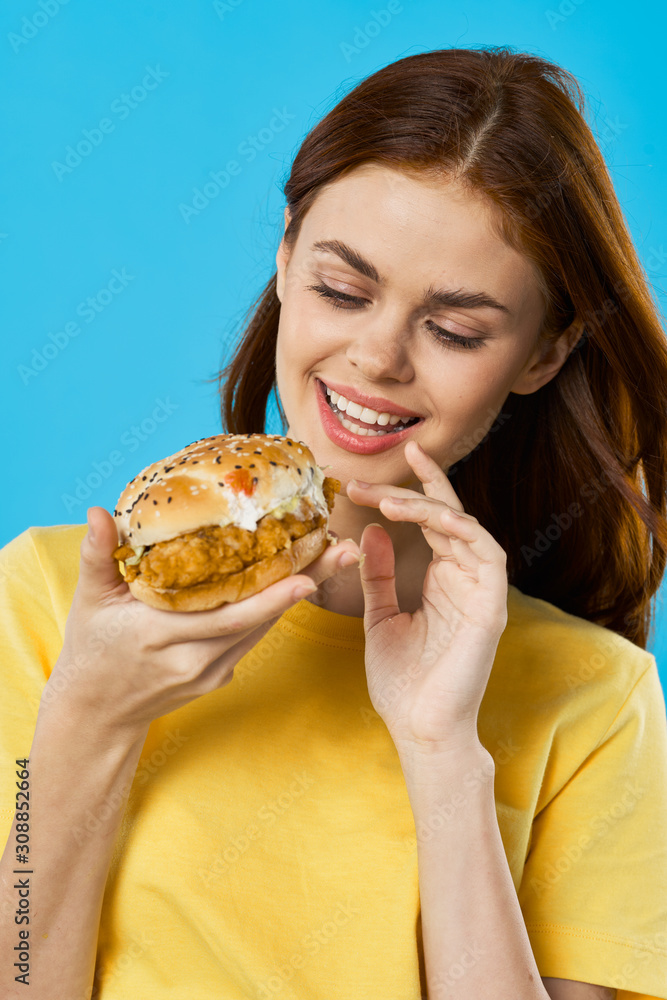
(381, 348)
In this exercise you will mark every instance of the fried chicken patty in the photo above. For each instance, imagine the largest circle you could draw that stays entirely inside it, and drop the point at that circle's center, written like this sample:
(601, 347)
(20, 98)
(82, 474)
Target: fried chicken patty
(210, 554)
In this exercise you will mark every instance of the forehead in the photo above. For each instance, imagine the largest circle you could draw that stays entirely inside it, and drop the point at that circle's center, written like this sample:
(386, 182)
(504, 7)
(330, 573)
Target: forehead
(407, 222)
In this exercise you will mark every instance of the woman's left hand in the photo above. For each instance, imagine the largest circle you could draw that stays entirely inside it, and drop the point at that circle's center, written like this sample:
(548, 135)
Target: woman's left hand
(427, 671)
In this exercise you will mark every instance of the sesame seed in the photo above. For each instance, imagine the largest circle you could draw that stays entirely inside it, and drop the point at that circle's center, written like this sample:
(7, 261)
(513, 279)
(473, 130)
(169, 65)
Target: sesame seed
(169, 499)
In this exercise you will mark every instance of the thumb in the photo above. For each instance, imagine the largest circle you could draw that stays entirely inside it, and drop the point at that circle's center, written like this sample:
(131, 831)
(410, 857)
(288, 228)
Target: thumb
(98, 569)
(377, 575)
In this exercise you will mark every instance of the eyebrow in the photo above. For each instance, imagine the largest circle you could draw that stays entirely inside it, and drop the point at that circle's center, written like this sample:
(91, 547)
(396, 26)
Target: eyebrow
(433, 298)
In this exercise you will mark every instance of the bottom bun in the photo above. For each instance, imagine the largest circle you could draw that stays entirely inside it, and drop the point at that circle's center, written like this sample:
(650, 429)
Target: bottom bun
(237, 586)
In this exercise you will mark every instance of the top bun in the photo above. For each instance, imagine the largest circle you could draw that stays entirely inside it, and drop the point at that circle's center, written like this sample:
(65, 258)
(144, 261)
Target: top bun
(226, 479)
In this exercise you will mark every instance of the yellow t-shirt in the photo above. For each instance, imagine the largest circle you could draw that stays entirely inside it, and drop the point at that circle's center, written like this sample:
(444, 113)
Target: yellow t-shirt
(268, 848)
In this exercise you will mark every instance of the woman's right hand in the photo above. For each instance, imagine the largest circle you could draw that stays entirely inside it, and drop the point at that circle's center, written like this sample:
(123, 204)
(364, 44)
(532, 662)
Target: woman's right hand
(124, 663)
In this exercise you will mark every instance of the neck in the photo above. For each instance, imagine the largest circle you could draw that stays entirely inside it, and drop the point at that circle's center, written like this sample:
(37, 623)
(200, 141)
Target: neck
(343, 593)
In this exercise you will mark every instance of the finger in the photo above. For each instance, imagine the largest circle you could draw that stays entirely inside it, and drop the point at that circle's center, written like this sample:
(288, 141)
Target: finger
(237, 618)
(378, 579)
(434, 479)
(371, 494)
(99, 574)
(479, 541)
(428, 513)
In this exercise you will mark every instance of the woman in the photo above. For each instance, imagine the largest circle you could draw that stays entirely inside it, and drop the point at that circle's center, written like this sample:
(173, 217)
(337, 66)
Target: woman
(422, 781)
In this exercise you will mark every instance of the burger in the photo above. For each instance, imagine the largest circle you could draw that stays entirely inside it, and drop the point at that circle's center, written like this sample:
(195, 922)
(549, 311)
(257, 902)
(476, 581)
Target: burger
(222, 519)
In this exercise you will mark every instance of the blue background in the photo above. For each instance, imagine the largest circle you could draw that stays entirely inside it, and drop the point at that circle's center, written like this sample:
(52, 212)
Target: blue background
(127, 376)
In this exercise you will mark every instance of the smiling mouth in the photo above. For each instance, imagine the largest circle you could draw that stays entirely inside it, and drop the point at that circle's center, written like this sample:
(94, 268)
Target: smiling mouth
(364, 429)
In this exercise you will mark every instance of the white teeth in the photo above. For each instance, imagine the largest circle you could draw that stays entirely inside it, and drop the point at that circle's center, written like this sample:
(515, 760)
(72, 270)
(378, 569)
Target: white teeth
(364, 412)
(361, 431)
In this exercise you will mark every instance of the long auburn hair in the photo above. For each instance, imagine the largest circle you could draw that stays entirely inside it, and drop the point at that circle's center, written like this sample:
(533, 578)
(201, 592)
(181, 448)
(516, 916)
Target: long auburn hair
(571, 479)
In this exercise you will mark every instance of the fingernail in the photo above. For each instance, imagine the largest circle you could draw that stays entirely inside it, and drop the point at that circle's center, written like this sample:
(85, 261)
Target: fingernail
(396, 499)
(303, 590)
(348, 559)
(360, 483)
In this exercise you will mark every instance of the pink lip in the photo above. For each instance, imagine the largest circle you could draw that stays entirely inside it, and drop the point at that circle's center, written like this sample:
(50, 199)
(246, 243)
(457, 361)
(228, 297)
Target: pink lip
(376, 403)
(355, 442)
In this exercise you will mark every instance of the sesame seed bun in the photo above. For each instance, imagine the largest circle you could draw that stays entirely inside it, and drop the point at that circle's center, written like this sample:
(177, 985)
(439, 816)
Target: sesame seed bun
(250, 485)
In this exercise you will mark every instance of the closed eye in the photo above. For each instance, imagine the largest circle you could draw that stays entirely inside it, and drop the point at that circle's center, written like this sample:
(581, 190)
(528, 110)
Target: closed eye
(341, 300)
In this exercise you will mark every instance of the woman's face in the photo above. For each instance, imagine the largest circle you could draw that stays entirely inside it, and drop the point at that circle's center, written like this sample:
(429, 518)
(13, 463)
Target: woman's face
(437, 277)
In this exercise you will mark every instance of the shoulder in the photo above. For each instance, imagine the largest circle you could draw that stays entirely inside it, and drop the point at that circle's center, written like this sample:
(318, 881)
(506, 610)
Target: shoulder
(54, 537)
(43, 559)
(562, 681)
(568, 653)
